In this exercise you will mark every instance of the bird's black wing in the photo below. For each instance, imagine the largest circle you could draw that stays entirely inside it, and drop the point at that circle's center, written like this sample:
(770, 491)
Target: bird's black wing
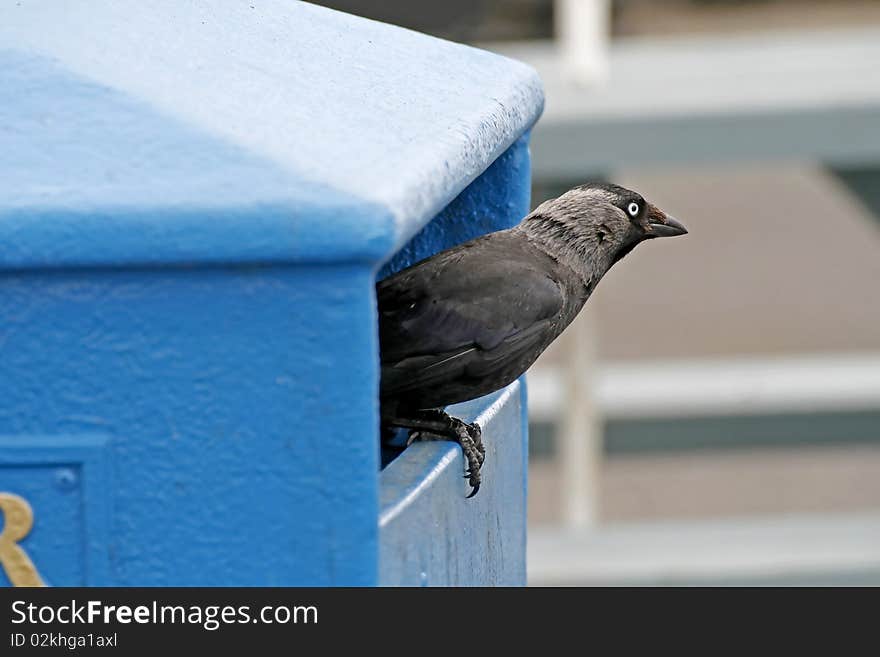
(463, 313)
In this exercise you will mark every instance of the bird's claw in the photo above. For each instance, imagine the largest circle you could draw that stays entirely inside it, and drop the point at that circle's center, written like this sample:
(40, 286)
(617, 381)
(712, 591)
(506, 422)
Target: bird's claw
(476, 434)
(469, 437)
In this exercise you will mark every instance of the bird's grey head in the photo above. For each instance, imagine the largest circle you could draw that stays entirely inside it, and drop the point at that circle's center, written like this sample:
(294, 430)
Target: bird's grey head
(597, 224)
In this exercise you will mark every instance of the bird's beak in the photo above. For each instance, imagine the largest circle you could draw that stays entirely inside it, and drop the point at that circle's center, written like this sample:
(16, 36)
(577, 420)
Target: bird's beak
(661, 224)
(668, 228)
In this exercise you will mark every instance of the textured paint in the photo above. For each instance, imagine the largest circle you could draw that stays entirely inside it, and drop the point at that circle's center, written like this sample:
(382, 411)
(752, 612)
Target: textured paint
(497, 199)
(227, 397)
(67, 481)
(317, 99)
(431, 535)
(188, 348)
(95, 177)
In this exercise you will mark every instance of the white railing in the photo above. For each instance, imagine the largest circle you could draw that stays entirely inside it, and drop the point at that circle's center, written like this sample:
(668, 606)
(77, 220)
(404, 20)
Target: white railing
(691, 388)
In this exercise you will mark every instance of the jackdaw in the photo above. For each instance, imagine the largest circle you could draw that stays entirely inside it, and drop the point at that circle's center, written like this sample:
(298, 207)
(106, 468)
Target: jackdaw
(472, 319)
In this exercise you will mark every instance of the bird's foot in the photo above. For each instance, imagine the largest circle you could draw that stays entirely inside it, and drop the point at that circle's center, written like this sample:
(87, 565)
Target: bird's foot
(475, 454)
(476, 434)
(473, 431)
(473, 450)
(437, 425)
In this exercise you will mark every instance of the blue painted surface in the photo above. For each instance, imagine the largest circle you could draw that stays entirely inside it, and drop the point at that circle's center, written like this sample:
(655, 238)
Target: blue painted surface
(431, 535)
(228, 398)
(67, 479)
(292, 106)
(498, 199)
(190, 230)
(95, 177)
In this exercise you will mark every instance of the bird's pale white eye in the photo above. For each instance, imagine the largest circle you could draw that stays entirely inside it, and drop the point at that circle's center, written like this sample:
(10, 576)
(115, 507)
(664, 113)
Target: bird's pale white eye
(633, 209)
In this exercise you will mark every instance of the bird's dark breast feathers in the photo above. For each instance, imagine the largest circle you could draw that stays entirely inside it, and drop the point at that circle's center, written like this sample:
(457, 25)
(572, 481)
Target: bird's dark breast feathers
(469, 321)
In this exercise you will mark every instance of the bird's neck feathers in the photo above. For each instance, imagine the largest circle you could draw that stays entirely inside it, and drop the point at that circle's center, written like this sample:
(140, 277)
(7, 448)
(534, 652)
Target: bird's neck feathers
(588, 252)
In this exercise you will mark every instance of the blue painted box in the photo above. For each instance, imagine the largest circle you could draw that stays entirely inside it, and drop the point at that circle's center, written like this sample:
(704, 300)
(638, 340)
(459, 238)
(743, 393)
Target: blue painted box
(195, 203)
